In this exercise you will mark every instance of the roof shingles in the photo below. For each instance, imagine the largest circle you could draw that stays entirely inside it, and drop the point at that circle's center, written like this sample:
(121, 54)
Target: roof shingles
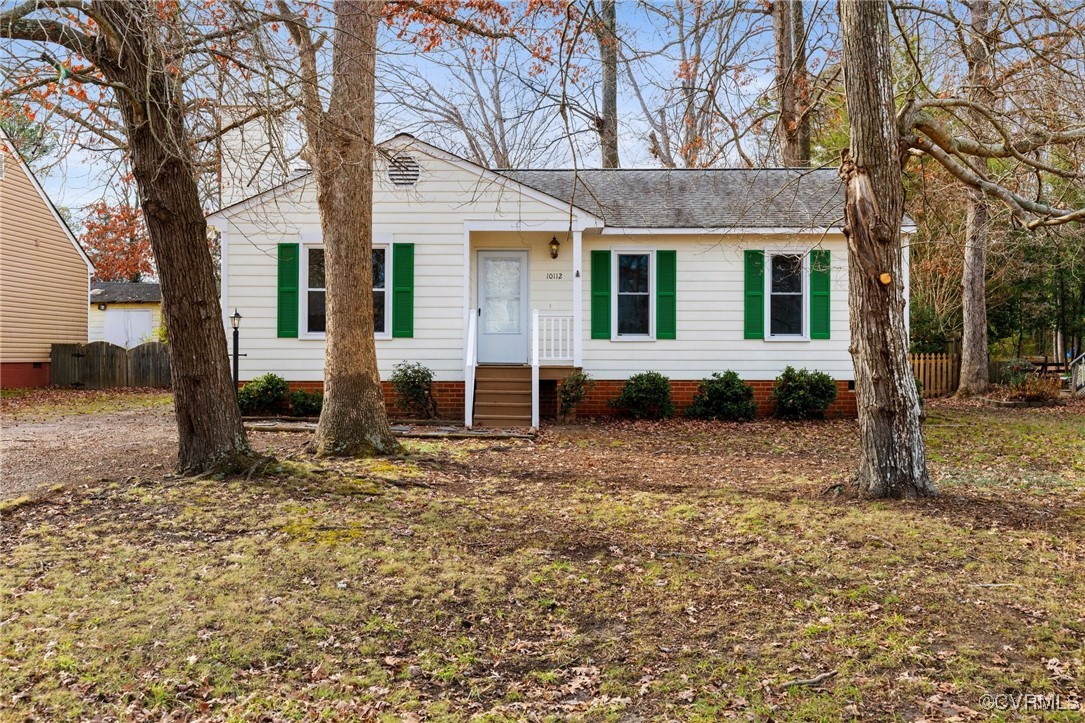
(123, 292)
(718, 198)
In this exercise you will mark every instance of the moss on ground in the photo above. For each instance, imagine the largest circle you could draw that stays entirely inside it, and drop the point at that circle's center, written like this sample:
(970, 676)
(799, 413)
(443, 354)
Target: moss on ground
(685, 573)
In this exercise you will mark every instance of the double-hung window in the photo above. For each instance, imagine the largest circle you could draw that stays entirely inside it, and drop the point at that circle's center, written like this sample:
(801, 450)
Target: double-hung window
(787, 292)
(314, 315)
(633, 300)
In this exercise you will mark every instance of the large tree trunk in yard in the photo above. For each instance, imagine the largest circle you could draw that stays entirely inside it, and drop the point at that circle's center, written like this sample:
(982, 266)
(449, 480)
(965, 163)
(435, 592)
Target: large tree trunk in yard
(892, 459)
(353, 421)
(974, 379)
(978, 52)
(208, 421)
(607, 37)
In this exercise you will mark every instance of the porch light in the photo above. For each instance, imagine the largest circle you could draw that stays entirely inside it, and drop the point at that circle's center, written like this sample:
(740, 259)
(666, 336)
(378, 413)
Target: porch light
(555, 246)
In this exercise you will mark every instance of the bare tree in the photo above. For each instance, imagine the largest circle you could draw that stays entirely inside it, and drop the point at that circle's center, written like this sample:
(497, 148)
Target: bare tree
(606, 33)
(491, 108)
(792, 82)
(123, 79)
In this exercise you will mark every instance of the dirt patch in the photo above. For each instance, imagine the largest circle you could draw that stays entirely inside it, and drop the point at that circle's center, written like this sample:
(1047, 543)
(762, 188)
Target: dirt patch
(55, 437)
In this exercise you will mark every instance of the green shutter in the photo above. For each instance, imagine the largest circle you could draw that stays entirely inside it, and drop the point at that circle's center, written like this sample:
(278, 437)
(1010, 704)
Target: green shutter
(600, 294)
(403, 290)
(754, 325)
(819, 294)
(289, 278)
(666, 288)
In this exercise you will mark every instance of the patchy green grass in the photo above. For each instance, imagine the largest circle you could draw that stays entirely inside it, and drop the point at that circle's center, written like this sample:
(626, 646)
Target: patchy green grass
(686, 572)
(52, 402)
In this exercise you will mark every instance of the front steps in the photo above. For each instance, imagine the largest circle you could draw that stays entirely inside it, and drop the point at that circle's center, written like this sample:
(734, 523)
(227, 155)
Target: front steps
(502, 396)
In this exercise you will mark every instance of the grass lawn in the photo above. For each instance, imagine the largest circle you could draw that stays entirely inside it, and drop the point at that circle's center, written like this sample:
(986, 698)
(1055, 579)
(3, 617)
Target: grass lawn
(682, 571)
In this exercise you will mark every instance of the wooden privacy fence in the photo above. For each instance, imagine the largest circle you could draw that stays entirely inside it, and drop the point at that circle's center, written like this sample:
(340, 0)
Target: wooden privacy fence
(938, 373)
(101, 365)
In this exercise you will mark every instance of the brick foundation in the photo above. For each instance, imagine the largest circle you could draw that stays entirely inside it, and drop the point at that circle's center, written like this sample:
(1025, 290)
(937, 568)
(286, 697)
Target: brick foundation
(682, 391)
(449, 396)
(14, 375)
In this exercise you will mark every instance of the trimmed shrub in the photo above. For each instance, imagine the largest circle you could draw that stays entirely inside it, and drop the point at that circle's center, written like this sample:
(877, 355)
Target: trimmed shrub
(724, 396)
(413, 385)
(646, 396)
(803, 394)
(306, 404)
(572, 391)
(265, 393)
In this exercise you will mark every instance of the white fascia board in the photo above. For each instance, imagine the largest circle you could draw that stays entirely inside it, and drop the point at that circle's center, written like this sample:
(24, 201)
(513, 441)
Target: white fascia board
(227, 212)
(723, 231)
(570, 225)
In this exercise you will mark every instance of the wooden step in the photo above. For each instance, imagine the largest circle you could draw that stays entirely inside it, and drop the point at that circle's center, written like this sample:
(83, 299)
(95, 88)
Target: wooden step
(502, 420)
(513, 373)
(502, 385)
(488, 408)
(516, 403)
(488, 394)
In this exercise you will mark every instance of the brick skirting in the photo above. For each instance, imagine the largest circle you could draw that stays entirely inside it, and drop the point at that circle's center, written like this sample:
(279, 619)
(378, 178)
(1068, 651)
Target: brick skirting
(24, 374)
(449, 396)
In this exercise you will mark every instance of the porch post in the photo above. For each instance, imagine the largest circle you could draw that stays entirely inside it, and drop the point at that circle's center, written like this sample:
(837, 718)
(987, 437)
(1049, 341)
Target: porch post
(578, 299)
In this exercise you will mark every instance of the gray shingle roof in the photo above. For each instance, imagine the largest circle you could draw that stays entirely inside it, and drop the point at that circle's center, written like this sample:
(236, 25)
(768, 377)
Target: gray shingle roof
(718, 198)
(123, 292)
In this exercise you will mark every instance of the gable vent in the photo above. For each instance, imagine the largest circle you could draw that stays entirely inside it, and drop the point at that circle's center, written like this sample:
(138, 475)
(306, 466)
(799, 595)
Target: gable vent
(403, 170)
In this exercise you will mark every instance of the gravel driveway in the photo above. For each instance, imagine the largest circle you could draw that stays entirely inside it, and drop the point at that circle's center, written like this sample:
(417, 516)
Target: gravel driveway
(74, 448)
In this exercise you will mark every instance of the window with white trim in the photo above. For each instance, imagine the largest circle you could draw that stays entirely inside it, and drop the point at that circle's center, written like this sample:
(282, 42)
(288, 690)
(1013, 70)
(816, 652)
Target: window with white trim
(315, 318)
(381, 307)
(633, 297)
(314, 315)
(786, 295)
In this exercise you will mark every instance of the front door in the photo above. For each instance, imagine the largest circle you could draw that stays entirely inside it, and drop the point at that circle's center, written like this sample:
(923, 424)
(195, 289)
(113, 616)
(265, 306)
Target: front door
(502, 303)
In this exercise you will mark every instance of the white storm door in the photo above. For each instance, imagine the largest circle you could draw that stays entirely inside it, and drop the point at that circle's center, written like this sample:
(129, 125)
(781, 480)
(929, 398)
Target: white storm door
(502, 303)
(127, 327)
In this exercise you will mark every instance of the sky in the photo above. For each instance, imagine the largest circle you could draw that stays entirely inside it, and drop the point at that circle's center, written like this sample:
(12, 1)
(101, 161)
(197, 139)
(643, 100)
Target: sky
(84, 176)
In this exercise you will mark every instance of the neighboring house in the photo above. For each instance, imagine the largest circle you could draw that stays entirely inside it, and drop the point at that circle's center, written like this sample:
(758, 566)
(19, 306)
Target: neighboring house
(125, 313)
(488, 276)
(44, 276)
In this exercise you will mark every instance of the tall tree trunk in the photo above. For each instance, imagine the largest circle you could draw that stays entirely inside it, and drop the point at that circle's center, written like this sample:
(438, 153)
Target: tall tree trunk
(974, 379)
(208, 421)
(801, 86)
(892, 459)
(607, 122)
(353, 421)
(789, 40)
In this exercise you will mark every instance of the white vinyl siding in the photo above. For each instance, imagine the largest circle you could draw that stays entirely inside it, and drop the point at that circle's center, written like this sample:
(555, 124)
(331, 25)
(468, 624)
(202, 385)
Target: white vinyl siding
(710, 299)
(431, 215)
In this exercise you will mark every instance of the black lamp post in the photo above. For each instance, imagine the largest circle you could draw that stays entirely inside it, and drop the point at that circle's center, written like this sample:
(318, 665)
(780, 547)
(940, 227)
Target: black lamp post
(235, 322)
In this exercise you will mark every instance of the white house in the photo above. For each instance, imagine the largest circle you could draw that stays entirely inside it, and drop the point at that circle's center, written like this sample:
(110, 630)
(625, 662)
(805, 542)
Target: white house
(501, 281)
(125, 313)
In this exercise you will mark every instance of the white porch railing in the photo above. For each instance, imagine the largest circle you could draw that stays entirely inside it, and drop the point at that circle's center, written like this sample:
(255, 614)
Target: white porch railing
(555, 334)
(551, 341)
(470, 362)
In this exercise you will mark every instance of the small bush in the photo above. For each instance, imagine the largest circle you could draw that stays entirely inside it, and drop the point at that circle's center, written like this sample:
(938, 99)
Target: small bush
(306, 404)
(413, 385)
(803, 394)
(724, 396)
(264, 394)
(572, 391)
(1036, 388)
(646, 396)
